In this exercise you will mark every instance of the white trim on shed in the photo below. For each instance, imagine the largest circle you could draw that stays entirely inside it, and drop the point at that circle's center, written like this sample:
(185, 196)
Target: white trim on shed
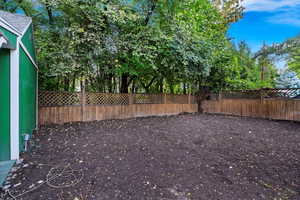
(9, 27)
(14, 103)
(28, 54)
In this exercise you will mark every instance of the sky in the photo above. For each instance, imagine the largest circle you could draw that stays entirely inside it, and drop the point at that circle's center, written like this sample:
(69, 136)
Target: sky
(269, 21)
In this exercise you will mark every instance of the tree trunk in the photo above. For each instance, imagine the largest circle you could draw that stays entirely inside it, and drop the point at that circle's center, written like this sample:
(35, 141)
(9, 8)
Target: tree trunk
(147, 87)
(73, 83)
(110, 83)
(150, 12)
(161, 86)
(184, 88)
(133, 87)
(57, 84)
(203, 95)
(171, 86)
(66, 84)
(124, 84)
(49, 12)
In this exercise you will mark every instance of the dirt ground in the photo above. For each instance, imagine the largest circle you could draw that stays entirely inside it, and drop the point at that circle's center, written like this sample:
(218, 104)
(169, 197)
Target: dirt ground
(185, 157)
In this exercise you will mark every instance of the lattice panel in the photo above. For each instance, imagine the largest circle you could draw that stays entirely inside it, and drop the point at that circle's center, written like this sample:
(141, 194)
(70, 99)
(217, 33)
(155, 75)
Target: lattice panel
(66, 98)
(280, 93)
(177, 99)
(107, 99)
(148, 98)
(59, 98)
(241, 94)
(263, 93)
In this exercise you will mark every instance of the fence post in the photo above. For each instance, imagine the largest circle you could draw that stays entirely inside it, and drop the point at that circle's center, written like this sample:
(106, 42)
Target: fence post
(220, 96)
(131, 96)
(262, 102)
(83, 100)
(261, 93)
(165, 98)
(189, 101)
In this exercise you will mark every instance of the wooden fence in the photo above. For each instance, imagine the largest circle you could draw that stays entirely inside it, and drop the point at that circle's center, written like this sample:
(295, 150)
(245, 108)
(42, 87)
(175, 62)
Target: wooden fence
(63, 107)
(278, 109)
(265, 93)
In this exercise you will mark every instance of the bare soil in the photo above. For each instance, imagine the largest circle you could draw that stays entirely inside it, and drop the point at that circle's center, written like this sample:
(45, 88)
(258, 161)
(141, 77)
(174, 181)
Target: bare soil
(185, 157)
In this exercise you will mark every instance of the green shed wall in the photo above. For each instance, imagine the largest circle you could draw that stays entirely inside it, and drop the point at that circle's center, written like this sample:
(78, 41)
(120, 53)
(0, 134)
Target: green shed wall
(4, 105)
(10, 36)
(28, 81)
(27, 40)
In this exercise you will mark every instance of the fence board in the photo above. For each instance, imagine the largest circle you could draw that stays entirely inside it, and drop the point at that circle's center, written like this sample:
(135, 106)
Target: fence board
(279, 109)
(64, 114)
(63, 107)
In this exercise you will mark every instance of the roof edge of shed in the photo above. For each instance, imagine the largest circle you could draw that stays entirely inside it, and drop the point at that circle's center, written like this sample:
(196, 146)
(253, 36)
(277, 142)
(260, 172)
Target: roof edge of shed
(9, 27)
(11, 24)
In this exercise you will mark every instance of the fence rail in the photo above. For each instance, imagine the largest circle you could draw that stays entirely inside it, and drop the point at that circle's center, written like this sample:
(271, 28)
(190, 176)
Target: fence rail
(277, 109)
(63, 107)
(266, 93)
(278, 104)
(47, 98)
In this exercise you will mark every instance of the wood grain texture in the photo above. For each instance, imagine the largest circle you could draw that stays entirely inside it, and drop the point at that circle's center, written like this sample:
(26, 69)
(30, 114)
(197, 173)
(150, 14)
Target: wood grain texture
(279, 109)
(65, 114)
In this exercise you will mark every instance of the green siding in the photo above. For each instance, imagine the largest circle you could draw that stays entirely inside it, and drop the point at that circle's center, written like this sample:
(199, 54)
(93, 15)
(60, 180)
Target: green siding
(5, 167)
(27, 40)
(4, 105)
(28, 79)
(10, 36)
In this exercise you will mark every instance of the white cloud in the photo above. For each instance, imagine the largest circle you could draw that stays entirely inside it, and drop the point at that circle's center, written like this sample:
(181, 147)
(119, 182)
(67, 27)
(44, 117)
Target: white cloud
(282, 11)
(290, 18)
(269, 5)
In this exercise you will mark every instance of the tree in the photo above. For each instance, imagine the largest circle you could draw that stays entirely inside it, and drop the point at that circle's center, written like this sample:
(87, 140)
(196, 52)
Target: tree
(279, 49)
(142, 46)
(288, 79)
(289, 48)
(238, 69)
(232, 10)
(294, 61)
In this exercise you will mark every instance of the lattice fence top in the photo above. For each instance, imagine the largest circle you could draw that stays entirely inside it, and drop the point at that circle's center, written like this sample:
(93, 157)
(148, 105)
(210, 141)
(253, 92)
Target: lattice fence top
(281, 93)
(181, 99)
(148, 98)
(65, 98)
(293, 93)
(243, 94)
(107, 99)
(59, 98)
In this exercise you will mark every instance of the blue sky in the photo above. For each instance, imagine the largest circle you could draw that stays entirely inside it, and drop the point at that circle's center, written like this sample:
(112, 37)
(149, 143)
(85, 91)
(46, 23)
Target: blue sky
(269, 21)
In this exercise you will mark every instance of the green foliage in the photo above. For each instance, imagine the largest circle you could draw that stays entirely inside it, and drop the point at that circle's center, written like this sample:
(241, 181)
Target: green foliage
(288, 79)
(288, 49)
(241, 71)
(294, 61)
(232, 10)
(175, 46)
